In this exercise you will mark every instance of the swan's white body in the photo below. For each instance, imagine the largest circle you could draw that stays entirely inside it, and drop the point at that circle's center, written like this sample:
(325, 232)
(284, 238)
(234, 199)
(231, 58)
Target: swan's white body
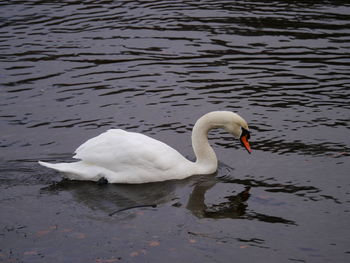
(127, 157)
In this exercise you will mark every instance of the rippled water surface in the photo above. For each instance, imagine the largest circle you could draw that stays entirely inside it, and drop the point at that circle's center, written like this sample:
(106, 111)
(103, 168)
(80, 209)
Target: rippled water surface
(72, 69)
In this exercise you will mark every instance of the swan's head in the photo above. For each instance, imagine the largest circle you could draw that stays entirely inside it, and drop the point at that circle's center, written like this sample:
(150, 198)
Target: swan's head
(238, 127)
(230, 121)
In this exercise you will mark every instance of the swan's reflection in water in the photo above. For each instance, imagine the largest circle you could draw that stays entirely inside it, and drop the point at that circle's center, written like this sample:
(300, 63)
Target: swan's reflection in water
(234, 207)
(110, 198)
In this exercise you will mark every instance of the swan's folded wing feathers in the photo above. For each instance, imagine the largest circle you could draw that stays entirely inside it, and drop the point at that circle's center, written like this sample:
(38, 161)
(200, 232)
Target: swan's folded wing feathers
(100, 148)
(118, 150)
(112, 145)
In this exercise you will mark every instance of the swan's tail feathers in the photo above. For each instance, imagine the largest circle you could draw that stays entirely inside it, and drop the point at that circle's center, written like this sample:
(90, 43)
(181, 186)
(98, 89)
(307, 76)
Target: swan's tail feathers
(56, 166)
(77, 170)
(70, 170)
(45, 164)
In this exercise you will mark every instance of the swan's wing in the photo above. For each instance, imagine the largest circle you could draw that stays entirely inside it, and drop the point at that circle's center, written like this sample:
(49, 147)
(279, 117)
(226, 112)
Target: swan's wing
(117, 150)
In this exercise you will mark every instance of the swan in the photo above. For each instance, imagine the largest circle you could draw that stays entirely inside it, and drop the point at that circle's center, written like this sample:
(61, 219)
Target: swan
(120, 156)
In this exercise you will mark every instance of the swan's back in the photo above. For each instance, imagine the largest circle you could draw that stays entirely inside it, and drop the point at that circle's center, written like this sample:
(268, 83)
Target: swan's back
(133, 157)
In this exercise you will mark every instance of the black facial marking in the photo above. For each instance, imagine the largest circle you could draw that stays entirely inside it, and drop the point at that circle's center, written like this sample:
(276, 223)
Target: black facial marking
(245, 133)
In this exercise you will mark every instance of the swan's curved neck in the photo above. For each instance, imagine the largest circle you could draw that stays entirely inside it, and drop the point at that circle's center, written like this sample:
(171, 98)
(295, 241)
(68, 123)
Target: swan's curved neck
(206, 162)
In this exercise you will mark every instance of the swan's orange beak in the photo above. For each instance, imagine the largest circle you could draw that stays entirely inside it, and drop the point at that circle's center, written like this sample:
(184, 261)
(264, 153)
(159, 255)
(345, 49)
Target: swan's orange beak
(245, 142)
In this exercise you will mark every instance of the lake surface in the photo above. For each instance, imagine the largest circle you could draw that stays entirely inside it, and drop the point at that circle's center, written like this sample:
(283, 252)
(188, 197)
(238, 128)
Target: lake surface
(73, 69)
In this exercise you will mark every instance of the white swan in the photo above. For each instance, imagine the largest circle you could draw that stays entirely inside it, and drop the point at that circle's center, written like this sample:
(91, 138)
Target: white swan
(127, 157)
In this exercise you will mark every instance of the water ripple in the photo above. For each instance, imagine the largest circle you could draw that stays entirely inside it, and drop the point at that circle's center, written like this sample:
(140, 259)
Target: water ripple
(287, 58)
(73, 69)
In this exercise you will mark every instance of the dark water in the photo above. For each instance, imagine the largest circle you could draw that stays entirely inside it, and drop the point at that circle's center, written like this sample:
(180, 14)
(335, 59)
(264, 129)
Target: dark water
(72, 69)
